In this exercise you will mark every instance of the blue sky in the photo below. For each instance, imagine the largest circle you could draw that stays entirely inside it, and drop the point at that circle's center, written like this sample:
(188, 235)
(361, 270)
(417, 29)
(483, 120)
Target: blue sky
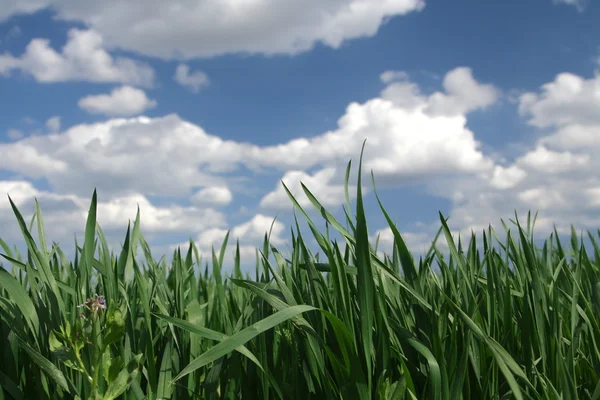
(197, 110)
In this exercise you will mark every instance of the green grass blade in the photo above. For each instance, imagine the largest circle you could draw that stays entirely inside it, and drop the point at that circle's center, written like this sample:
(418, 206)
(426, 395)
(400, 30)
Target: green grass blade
(230, 344)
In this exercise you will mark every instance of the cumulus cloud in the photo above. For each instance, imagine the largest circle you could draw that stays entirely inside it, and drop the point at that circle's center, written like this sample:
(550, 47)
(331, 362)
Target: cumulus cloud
(505, 178)
(117, 210)
(320, 184)
(568, 100)
(168, 218)
(32, 162)
(153, 156)
(407, 143)
(214, 195)
(463, 94)
(167, 155)
(172, 29)
(250, 234)
(83, 58)
(53, 124)
(194, 81)
(122, 101)
(559, 173)
(65, 214)
(543, 160)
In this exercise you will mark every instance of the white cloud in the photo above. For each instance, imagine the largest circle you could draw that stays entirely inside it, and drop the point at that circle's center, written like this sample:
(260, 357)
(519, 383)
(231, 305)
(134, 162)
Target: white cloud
(65, 214)
(405, 142)
(130, 160)
(463, 94)
(560, 171)
(543, 160)
(506, 178)
(567, 101)
(192, 80)
(122, 101)
(159, 156)
(30, 161)
(83, 58)
(593, 195)
(543, 198)
(167, 155)
(390, 76)
(116, 211)
(215, 195)
(19, 191)
(250, 234)
(175, 29)
(9, 8)
(256, 228)
(320, 184)
(53, 124)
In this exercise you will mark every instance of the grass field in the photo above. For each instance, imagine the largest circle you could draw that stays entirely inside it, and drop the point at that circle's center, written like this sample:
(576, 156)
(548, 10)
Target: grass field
(499, 321)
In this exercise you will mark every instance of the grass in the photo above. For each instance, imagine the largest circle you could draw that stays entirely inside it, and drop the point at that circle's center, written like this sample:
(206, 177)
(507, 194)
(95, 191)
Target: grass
(507, 320)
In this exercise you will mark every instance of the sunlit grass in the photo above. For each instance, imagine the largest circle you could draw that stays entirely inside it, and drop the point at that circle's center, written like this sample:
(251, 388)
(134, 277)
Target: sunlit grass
(499, 321)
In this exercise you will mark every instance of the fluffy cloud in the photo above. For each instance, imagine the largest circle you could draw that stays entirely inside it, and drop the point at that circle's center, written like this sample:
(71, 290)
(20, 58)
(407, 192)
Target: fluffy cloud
(158, 218)
(9, 8)
(114, 212)
(251, 232)
(83, 58)
(568, 100)
(166, 155)
(215, 195)
(505, 178)
(171, 29)
(557, 177)
(543, 160)
(194, 81)
(406, 142)
(463, 94)
(21, 158)
(53, 124)
(66, 214)
(122, 101)
(320, 184)
(160, 156)
(409, 141)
